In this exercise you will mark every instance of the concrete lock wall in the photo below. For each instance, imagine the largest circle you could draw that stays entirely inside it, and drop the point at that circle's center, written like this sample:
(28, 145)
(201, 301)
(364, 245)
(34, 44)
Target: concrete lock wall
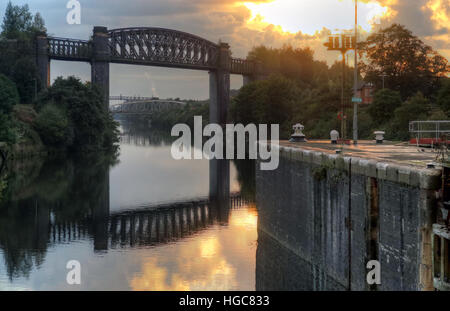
(304, 208)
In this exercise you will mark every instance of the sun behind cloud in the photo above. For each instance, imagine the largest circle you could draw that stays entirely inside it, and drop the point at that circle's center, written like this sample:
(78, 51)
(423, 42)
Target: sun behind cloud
(309, 17)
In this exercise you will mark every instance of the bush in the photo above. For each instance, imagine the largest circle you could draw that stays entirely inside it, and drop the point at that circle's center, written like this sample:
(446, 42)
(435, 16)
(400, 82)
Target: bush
(53, 126)
(25, 75)
(384, 104)
(443, 98)
(7, 129)
(414, 109)
(8, 95)
(89, 119)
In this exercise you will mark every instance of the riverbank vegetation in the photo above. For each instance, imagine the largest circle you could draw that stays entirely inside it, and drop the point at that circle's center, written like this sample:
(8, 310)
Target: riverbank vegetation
(304, 90)
(308, 91)
(68, 116)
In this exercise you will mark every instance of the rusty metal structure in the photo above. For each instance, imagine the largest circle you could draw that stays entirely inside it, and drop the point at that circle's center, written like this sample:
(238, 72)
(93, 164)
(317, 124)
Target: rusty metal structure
(149, 46)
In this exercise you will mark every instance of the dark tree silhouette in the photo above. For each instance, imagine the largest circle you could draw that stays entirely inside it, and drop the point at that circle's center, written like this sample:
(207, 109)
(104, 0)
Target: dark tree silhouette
(409, 64)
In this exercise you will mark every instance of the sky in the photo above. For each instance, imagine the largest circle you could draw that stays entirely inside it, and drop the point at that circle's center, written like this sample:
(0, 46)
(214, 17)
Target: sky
(241, 23)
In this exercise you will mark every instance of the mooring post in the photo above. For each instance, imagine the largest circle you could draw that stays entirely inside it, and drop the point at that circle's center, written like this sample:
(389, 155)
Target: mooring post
(100, 61)
(219, 87)
(43, 59)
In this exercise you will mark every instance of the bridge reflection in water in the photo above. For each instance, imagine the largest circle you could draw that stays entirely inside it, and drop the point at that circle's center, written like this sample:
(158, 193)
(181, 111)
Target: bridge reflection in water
(146, 226)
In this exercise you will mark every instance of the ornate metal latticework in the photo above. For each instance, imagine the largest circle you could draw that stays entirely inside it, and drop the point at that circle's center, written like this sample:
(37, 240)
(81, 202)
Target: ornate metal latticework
(152, 47)
(162, 47)
(69, 49)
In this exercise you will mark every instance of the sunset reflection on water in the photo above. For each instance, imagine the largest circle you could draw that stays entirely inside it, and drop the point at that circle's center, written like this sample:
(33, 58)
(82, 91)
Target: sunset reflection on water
(211, 260)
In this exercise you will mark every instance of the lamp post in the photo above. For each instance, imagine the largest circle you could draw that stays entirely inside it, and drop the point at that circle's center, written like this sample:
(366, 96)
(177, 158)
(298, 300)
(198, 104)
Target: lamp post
(355, 106)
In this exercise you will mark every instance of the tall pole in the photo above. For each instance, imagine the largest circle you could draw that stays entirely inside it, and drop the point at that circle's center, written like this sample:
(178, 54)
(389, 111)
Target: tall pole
(343, 120)
(355, 106)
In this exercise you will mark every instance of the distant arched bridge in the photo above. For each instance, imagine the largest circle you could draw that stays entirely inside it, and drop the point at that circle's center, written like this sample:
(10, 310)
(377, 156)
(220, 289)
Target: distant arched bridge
(151, 47)
(146, 106)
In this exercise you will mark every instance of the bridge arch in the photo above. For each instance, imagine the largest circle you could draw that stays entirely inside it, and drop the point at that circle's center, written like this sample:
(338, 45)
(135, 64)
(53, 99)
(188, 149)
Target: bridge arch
(150, 46)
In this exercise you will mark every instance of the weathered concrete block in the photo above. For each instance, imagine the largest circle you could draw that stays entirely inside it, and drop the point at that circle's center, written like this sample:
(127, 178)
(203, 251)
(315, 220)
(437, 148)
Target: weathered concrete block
(371, 169)
(430, 179)
(297, 155)
(307, 156)
(317, 158)
(392, 173)
(382, 170)
(340, 163)
(404, 174)
(414, 178)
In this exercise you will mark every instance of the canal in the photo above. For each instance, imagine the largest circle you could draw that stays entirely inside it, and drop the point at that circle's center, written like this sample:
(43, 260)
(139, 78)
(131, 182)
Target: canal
(141, 221)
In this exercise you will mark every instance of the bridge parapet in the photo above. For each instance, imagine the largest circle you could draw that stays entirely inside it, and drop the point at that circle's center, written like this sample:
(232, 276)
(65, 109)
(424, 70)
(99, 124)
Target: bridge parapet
(243, 66)
(69, 49)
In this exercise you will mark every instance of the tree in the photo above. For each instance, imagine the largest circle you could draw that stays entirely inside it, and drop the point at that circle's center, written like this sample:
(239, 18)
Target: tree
(266, 102)
(409, 64)
(443, 98)
(53, 126)
(383, 106)
(17, 54)
(414, 109)
(19, 23)
(293, 63)
(8, 94)
(90, 123)
(25, 75)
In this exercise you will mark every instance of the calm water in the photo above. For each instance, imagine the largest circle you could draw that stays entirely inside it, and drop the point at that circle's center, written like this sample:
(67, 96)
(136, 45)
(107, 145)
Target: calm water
(144, 222)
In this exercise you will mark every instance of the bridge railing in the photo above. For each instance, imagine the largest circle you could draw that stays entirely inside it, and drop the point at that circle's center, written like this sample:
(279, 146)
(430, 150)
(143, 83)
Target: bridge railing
(69, 48)
(243, 66)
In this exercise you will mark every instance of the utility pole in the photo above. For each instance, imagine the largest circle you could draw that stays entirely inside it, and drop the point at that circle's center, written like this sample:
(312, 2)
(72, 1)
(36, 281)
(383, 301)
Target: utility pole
(355, 106)
(343, 123)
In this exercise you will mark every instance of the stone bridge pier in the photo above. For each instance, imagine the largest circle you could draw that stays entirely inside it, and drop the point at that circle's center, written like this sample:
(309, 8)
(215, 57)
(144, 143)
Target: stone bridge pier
(100, 61)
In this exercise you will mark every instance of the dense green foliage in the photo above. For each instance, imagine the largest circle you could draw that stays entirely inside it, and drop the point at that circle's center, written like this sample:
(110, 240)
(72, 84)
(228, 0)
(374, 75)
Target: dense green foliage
(75, 114)
(415, 108)
(8, 98)
(443, 98)
(7, 129)
(19, 23)
(18, 32)
(269, 101)
(71, 114)
(309, 92)
(8, 95)
(53, 126)
(384, 104)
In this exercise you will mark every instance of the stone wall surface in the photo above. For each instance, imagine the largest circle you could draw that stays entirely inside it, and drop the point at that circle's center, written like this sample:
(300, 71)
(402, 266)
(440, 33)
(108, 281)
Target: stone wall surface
(304, 209)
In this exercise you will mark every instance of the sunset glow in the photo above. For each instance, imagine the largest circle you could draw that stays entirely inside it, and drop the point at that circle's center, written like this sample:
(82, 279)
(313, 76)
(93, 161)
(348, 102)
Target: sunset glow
(440, 13)
(309, 17)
